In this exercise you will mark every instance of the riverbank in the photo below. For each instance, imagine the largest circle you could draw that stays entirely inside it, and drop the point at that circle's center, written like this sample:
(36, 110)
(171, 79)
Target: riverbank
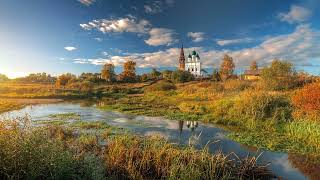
(255, 117)
(75, 149)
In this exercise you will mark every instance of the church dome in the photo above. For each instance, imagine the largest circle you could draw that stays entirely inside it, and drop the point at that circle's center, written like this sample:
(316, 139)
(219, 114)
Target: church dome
(194, 53)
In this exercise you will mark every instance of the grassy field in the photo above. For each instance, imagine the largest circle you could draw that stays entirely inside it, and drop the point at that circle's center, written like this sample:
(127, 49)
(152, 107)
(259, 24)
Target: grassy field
(66, 153)
(255, 117)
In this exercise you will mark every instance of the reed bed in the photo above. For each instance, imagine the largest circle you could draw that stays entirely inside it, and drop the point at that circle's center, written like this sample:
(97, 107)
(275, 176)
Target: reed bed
(54, 152)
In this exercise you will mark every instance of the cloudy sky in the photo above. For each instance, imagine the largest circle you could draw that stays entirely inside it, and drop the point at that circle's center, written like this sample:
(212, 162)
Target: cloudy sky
(79, 35)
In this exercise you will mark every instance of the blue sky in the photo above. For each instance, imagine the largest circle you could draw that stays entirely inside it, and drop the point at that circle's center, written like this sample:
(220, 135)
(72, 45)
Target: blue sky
(80, 35)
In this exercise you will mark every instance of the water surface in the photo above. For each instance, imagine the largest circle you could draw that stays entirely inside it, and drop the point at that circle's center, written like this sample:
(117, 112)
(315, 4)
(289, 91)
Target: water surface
(182, 132)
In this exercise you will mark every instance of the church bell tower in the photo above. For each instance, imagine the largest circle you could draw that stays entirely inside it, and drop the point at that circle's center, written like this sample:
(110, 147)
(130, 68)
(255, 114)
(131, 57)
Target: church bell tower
(182, 60)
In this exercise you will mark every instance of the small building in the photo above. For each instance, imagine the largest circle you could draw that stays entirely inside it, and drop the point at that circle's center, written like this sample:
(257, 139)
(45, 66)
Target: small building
(252, 74)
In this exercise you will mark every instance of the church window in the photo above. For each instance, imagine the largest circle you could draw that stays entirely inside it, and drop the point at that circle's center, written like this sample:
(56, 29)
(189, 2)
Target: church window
(192, 69)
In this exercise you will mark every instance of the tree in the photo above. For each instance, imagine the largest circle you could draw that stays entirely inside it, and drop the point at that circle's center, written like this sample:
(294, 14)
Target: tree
(227, 67)
(155, 74)
(215, 75)
(179, 76)
(280, 75)
(64, 79)
(3, 78)
(254, 66)
(167, 74)
(108, 73)
(129, 72)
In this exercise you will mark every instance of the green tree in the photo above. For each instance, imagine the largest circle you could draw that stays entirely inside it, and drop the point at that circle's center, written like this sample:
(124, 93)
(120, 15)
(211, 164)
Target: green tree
(129, 72)
(280, 75)
(215, 75)
(155, 74)
(227, 67)
(3, 78)
(108, 73)
(179, 76)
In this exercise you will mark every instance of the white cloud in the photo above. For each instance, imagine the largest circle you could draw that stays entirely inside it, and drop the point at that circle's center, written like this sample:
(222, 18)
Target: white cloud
(86, 2)
(98, 39)
(161, 36)
(196, 36)
(157, 6)
(70, 48)
(300, 47)
(128, 24)
(297, 14)
(225, 42)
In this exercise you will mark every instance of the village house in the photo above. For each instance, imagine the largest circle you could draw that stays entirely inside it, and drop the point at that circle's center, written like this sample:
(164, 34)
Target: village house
(252, 74)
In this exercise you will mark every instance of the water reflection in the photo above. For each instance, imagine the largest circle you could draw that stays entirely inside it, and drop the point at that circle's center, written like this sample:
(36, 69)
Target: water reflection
(309, 165)
(183, 132)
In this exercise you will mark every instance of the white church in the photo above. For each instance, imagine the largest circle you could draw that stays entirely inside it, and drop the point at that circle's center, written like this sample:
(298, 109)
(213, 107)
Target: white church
(193, 64)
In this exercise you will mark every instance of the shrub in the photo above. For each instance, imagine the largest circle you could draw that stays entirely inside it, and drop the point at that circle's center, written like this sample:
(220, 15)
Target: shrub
(259, 105)
(162, 85)
(181, 76)
(252, 106)
(307, 102)
(279, 76)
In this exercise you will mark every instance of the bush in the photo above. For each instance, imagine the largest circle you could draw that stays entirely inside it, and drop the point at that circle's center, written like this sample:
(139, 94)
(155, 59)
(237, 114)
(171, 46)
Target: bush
(279, 76)
(252, 106)
(307, 102)
(181, 76)
(162, 85)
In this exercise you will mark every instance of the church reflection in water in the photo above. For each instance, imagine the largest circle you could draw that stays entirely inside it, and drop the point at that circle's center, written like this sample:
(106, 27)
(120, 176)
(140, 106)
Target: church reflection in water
(192, 125)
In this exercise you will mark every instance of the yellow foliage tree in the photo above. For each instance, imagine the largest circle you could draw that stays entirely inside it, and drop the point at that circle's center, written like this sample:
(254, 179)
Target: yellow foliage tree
(108, 73)
(129, 71)
(227, 67)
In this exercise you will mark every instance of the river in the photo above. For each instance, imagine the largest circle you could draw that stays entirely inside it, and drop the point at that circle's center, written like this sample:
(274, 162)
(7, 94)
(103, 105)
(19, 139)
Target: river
(285, 165)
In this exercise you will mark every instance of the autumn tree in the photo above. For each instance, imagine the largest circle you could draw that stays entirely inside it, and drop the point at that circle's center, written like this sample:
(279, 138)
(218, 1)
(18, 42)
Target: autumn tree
(108, 73)
(64, 79)
(280, 75)
(129, 71)
(227, 67)
(254, 66)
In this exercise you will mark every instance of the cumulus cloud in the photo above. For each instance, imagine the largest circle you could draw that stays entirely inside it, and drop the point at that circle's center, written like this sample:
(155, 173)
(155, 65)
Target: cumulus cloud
(70, 48)
(299, 47)
(225, 42)
(158, 36)
(127, 24)
(297, 14)
(161, 36)
(196, 36)
(87, 2)
(157, 6)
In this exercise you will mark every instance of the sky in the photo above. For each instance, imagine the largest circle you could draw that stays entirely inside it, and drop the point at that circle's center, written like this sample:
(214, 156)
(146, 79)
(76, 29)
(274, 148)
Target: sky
(81, 35)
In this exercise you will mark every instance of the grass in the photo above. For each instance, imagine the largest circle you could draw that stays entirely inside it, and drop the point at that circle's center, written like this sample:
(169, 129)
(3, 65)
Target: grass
(65, 116)
(261, 118)
(64, 154)
(9, 106)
